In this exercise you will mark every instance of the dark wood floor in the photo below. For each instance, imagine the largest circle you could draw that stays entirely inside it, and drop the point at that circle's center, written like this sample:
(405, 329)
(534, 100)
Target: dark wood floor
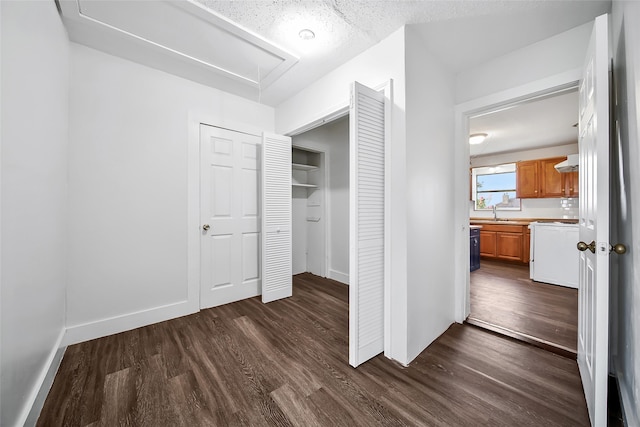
(286, 363)
(503, 295)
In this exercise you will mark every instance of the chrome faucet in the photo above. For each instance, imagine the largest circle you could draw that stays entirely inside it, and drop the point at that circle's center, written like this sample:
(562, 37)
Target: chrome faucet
(495, 216)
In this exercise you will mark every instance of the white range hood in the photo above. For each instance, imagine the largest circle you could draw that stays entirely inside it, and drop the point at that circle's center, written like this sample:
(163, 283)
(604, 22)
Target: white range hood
(569, 165)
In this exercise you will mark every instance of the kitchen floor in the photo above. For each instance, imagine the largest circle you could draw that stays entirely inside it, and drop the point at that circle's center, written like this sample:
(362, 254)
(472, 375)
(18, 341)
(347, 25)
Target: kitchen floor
(505, 300)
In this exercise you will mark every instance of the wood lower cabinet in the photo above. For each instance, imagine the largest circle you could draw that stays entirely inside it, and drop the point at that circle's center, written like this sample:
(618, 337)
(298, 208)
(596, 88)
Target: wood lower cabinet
(509, 246)
(505, 242)
(526, 246)
(488, 244)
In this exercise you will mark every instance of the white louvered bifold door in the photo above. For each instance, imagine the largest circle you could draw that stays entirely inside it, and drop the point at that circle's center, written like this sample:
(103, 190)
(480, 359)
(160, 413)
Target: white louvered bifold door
(276, 217)
(366, 224)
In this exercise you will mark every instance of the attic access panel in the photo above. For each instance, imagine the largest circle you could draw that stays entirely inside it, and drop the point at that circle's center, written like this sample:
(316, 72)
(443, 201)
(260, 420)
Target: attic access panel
(183, 31)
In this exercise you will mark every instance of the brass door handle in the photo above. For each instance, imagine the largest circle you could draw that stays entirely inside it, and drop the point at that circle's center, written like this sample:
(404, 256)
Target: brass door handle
(582, 246)
(619, 248)
(206, 227)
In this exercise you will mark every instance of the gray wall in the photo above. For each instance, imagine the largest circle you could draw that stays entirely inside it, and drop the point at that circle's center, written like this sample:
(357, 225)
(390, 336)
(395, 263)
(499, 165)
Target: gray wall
(625, 292)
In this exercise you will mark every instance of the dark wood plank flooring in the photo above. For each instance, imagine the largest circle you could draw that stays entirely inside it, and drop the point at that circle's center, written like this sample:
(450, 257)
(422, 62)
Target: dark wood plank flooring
(286, 363)
(502, 295)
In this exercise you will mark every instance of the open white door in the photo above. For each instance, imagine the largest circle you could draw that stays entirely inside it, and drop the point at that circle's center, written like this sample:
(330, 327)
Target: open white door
(276, 218)
(366, 223)
(593, 289)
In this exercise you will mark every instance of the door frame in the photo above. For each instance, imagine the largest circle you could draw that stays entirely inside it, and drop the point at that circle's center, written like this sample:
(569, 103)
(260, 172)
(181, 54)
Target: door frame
(194, 120)
(463, 112)
(336, 112)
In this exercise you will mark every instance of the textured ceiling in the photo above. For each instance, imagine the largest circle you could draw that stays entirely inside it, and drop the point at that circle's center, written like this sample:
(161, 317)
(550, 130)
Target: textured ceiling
(542, 123)
(463, 33)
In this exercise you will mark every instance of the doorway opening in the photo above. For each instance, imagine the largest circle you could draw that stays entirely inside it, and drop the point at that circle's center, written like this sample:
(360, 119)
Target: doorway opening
(520, 209)
(320, 200)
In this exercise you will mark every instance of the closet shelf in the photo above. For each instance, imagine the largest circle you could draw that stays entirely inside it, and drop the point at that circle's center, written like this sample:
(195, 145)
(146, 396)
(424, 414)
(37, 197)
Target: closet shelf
(295, 184)
(301, 167)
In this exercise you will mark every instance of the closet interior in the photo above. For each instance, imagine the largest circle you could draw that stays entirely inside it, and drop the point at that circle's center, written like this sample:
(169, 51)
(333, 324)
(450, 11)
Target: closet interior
(320, 201)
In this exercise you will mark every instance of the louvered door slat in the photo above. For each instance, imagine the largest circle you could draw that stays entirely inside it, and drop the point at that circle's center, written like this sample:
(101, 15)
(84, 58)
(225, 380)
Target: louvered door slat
(276, 218)
(367, 203)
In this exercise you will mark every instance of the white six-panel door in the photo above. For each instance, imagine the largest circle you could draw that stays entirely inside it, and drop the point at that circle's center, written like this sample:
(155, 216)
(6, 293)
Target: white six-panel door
(366, 223)
(229, 216)
(593, 288)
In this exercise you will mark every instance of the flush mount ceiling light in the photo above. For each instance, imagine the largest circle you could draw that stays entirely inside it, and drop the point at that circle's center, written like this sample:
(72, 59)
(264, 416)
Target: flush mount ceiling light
(477, 138)
(306, 34)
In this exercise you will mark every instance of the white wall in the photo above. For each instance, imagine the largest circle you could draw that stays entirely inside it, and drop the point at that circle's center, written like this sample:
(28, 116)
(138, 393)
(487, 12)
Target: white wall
(333, 139)
(625, 297)
(35, 62)
(554, 55)
(531, 208)
(430, 184)
(373, 67)
(128, 189)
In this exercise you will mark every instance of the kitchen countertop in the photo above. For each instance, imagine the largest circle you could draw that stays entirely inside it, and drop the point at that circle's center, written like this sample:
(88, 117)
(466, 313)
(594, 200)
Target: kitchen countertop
(517, 221)
(500, 221)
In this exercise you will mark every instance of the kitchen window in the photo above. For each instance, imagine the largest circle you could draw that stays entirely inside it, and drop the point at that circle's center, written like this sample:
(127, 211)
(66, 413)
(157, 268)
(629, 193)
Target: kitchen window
(495, 186)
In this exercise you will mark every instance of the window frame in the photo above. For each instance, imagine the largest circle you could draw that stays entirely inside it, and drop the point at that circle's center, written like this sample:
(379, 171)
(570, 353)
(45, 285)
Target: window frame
(494, 170)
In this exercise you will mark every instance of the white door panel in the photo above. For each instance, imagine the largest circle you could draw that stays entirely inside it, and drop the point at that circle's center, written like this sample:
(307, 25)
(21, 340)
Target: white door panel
(366, 224)
(229, 200)
(276, 218)
(593, 288)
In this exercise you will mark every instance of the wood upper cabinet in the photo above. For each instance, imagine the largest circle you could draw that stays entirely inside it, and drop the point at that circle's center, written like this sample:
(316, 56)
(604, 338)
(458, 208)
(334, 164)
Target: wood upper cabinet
(539, 178)
(527, 180)
(571, 184)
(551, 181)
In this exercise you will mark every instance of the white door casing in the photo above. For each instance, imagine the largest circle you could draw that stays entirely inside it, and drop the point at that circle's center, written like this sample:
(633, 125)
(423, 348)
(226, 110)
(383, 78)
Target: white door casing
(276, 218)
(593, 289)
(229, 208)
(366, 224)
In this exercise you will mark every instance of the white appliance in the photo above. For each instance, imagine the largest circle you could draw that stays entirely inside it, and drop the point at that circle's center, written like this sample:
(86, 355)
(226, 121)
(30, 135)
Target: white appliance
(554, 256)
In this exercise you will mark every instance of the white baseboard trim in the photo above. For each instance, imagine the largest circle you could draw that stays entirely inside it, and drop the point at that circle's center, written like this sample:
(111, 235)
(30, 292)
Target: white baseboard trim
(628, 406)
(101, 328)
(339, 276)
(33, 405)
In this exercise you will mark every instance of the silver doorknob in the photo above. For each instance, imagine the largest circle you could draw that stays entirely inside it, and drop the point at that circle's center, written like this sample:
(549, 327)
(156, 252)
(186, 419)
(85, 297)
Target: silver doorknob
(206, 227)
(619, 248)
(582, 246)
